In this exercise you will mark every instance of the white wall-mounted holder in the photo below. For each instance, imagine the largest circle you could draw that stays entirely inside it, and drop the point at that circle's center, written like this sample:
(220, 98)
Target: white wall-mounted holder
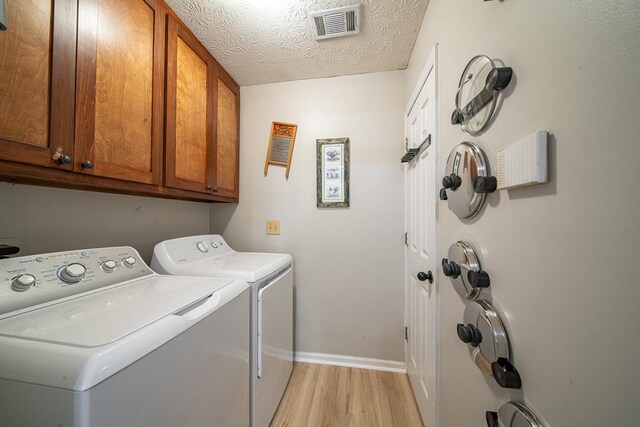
(523, 163)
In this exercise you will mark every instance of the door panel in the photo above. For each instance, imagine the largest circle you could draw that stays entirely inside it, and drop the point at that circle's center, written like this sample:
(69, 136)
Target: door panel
(421, 186)
(37, 78)
(190, 141)
(120, 89)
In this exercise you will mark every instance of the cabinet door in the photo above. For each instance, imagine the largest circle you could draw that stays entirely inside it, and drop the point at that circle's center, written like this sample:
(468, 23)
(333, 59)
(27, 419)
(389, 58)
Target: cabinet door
(120, 76)
(37, 78)
(190, 121)
(227, 131)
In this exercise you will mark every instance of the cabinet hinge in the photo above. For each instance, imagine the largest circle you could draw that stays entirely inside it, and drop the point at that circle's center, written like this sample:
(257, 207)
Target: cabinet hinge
(406, 333)
(406, 239)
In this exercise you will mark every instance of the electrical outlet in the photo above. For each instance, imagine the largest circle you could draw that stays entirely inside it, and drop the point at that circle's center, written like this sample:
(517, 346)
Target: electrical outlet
(273, 226)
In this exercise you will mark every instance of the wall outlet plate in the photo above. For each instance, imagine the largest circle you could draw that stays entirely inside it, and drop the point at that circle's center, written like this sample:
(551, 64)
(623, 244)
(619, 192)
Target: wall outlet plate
(273, 227)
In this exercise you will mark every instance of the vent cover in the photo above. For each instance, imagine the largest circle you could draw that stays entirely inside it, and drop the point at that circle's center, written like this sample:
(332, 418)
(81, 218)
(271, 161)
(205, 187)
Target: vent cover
(339, 22)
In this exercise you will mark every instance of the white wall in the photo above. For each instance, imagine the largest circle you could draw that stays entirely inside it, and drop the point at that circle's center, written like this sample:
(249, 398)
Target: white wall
(40, 219)
(348, 262)
(562, 256)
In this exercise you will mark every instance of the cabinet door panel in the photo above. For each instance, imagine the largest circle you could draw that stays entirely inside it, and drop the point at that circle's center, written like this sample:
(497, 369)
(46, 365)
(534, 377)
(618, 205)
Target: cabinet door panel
(37, 56)
(191, 115)
(120, 75)
(190, 133)
(227, 143)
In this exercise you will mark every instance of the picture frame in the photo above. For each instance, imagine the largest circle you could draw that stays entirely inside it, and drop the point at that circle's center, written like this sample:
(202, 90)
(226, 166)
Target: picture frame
(332, 172)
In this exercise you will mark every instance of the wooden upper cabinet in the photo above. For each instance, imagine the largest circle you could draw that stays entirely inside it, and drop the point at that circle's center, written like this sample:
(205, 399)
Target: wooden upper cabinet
(119, 93)
(228, 132)
(37, 72)
(190, 113)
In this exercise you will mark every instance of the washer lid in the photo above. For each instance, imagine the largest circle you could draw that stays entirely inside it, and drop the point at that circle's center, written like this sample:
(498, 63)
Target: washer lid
(104, 317)
(249, 266)
(52, 346)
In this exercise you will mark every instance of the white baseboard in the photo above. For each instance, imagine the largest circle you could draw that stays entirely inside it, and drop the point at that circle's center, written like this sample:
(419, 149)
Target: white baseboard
(351, 361)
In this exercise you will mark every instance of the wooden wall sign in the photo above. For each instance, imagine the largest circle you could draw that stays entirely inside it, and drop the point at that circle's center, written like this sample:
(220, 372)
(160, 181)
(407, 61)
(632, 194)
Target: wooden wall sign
(281, 141)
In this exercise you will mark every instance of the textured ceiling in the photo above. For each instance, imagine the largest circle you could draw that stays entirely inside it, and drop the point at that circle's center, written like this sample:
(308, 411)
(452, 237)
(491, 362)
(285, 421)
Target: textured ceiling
(265, 41)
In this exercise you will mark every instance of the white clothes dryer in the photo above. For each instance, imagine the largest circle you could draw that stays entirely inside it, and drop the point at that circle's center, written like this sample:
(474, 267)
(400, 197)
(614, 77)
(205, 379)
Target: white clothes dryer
(270, 277)
(94, 338)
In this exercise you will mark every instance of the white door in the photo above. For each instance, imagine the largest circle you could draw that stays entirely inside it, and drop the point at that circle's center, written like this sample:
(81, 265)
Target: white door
(421, 310)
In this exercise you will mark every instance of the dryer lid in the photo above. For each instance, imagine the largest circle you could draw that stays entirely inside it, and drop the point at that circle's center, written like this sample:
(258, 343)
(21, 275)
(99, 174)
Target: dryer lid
(104, 317)
(249, 266)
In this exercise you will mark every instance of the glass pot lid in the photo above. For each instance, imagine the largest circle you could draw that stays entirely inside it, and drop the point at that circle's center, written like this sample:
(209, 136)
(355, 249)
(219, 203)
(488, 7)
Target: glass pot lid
(466, 181)
(477, 93)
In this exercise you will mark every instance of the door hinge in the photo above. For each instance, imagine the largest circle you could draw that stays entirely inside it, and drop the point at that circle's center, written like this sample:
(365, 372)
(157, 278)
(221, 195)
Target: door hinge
(406, 333)
(406, 239)
(406, 144)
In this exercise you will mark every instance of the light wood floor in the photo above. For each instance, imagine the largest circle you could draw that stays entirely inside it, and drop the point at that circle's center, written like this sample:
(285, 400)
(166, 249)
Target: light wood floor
(321, 395)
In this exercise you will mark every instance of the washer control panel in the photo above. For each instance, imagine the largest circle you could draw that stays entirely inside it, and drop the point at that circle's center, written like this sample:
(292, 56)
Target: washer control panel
(37, 279)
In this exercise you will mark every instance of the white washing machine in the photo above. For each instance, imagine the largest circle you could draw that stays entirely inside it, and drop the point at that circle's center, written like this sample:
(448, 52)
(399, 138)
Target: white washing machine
(270, 277)
(94, 338)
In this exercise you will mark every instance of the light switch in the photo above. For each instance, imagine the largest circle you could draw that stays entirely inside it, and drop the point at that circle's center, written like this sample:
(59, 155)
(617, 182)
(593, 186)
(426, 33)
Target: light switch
(273, 226)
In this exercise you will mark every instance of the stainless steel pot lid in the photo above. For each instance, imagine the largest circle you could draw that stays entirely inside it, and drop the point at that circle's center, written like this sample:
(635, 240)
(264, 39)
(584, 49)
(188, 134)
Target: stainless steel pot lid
(483, 330)
(513, 414)
(463, 269)
(466, 181)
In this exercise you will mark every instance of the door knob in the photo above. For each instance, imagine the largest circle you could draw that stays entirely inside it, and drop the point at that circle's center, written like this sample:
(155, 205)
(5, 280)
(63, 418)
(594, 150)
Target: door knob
(87, 164)
(428, 276)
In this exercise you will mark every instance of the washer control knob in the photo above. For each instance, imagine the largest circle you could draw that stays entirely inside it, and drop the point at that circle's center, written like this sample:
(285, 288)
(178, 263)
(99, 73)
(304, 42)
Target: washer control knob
(214, 245)
(109, 265)
(72, 273)
(23, 282)
(129, 262)
(202, 247)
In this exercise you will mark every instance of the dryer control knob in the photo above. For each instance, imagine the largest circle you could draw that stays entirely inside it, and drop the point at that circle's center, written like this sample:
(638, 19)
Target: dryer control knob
(202, 247)
(72, 273)
(129, 262)
(23, 282)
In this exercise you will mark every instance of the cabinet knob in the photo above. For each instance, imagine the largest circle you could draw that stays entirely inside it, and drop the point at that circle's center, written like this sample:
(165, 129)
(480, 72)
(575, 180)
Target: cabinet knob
(479, 279)
(63, 159)
(485, 184)
(87, 164)
(428, 276)
(469, 334)
(450, 268)
(211, 189)
(505, 374)
(452, 182)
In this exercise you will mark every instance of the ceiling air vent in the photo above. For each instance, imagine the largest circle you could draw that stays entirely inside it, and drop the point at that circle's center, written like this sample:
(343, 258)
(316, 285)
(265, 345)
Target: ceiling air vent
(339, 22)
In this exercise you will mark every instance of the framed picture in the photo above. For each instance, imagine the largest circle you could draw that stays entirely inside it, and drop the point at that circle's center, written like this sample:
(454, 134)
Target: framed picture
(332, 166)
